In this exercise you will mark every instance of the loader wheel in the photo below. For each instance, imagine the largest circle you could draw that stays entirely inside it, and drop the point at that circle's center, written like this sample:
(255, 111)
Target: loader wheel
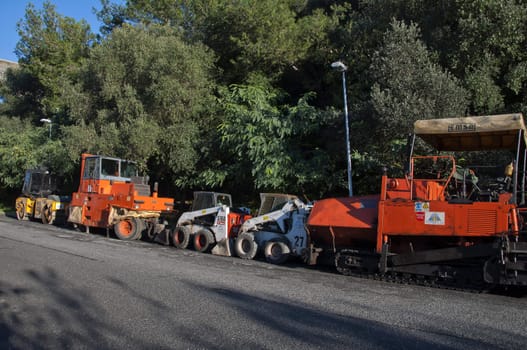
(276, 252)
(48, 215)
(245, 246)
(20, 210)
(126, 229)
(203, 241)
(181, 237)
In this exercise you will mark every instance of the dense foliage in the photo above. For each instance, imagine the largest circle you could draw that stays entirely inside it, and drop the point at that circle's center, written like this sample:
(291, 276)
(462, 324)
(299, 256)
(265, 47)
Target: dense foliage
(239, 96)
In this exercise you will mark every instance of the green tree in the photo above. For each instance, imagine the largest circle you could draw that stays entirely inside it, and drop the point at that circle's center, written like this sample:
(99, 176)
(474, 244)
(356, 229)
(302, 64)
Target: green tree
(409, 85)
(269, 36)
(479, 42)
(253, 36)
(272, 144)
(19, 150)
(50, 51)
(491, 55)
(146, 95)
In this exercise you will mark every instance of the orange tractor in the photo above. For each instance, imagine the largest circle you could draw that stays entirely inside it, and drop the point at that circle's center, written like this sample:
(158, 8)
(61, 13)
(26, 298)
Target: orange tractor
(439, 222)
(112, 195)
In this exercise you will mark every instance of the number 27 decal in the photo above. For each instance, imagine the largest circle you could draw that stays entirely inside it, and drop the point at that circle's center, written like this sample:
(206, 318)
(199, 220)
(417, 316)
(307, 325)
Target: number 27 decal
(299, 241)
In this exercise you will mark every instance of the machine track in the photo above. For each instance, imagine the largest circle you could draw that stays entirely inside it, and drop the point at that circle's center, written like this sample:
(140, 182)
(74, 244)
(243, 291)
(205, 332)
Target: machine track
(493, 267)
(416, 280)
(368, 271)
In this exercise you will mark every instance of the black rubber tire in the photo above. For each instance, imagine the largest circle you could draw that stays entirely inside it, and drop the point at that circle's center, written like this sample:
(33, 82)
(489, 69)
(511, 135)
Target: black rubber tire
(203, 241)
(275, 252)
(245, 246)
(126, 229)
(180, 237)
(48, 216)
(21, 210)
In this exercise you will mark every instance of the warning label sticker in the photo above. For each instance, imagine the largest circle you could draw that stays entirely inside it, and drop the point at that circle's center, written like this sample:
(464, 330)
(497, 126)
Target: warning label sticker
(421, 206)
(434, 218)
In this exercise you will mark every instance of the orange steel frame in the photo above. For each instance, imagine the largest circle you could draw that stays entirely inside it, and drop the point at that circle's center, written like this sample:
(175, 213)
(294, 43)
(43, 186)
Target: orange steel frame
(406, 203)
(98, 196)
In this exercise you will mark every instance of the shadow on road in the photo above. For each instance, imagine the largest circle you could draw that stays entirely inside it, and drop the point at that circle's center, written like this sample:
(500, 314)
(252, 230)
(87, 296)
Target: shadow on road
(320, 329)
(27, 312)
(51, 313)
(46, 310)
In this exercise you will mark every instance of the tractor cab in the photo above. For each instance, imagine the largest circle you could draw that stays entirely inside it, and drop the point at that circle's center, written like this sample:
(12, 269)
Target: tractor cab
(99, 172)
(270, 202)
(38, 183)
(204, 200)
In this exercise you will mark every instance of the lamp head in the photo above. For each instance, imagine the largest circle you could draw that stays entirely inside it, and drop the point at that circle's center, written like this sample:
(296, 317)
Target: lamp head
(339, 66)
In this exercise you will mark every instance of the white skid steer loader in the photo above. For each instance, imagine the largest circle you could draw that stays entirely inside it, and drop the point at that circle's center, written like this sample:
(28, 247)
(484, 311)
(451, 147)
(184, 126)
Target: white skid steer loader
(279, 230)
(211, 225)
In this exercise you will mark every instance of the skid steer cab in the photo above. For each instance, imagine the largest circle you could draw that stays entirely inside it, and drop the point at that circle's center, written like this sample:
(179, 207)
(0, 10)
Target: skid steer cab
(279, 230)
(112, 195)
(39, 199)
(211, 225)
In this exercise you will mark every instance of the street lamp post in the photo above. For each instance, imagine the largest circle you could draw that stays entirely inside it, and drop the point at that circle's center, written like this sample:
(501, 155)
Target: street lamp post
(341, 67)
(48, 121)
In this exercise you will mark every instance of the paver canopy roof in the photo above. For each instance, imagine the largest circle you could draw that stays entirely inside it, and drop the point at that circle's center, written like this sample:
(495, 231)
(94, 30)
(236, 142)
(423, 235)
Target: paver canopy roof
(489, 132)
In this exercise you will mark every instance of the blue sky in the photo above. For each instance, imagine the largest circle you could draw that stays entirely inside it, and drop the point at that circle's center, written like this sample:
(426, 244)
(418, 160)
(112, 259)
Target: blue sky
(11, 11)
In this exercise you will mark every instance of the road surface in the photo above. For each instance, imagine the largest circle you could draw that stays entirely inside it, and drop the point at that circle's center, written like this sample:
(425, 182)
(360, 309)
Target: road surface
(61, 289)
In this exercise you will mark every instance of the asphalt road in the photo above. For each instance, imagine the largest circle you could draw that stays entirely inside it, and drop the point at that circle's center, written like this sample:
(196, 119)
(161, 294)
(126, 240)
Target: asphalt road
(61, 289)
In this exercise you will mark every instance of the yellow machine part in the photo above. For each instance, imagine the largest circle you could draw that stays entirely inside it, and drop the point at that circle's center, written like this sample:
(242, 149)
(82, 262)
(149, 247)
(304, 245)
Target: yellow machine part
(57, 205)
(24, 207)
(38, 208)
(47, 209)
